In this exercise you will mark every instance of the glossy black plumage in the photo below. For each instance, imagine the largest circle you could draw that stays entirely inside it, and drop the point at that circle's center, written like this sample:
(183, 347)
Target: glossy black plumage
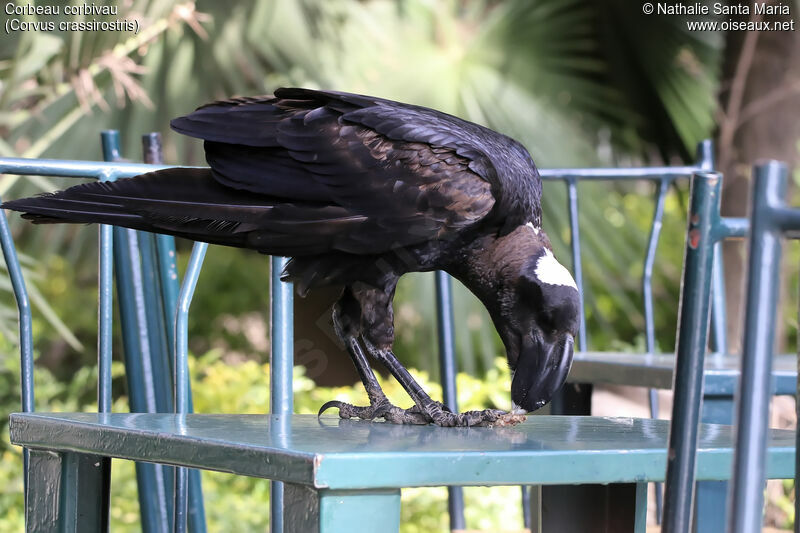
(357, 191)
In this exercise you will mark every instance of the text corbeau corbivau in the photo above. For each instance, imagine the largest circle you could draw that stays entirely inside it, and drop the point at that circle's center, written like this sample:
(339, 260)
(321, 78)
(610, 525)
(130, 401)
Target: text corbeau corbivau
(52, 17)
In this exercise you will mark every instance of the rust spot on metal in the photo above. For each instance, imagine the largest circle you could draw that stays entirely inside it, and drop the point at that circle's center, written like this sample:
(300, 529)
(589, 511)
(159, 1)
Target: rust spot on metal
(694, 238)
(695, 219)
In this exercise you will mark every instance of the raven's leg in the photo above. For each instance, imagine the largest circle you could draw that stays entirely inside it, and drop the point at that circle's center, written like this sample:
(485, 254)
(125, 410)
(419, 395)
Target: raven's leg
(433, 410)
(346, 323)
(377, 334)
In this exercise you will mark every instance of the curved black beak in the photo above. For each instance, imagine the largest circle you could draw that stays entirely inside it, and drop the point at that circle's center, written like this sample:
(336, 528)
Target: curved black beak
(541, 370)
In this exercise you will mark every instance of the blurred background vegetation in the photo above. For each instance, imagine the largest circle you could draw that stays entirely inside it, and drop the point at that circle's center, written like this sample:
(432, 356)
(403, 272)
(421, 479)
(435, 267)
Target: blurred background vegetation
(578, 82)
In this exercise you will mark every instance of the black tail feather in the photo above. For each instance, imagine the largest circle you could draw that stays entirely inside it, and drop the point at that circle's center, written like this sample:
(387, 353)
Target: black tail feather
(190, 203)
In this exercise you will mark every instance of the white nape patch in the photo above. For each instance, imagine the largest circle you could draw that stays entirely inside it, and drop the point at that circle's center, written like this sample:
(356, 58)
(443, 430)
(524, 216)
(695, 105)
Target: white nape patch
(536, 229)
(550, 271)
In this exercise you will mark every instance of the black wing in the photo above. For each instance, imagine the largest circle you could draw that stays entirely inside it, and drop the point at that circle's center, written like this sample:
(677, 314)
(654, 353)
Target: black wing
(307, 172)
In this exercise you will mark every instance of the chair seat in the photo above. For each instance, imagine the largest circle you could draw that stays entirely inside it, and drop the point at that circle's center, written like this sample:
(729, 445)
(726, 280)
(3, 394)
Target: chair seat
(721, 373)
(352, 454)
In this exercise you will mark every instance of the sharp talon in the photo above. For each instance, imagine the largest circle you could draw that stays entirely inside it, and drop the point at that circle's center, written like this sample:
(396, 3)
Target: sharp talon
(327, 405)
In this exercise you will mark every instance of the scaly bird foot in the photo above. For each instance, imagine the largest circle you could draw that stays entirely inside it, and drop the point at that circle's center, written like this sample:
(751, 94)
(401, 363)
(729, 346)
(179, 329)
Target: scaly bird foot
(437, 414)
(485, 418)
(385, 410)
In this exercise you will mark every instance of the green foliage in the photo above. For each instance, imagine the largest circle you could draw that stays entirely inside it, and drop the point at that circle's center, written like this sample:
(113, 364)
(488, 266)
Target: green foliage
(786, 503)
(235, 501)
(562, 76)
(547, 72)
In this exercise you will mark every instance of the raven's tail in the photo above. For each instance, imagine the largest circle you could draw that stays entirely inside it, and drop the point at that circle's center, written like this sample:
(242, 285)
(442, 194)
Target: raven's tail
(185, 202)
(191, 203)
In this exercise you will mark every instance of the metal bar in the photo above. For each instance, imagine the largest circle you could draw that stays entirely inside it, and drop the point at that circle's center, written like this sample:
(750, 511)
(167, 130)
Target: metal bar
(704, 156)
(182, 371)
(447, 355)
(153, 480)
(447, 369)
(747, 496)
(24, 310)
(711, 498)
(168, 273)
(617, 173)
(160, 267)
(67, 493)
(25, 331)
(182, 327)
(146, 385)
(788, 219)
(93, 169)
(105, 315)
(731, 227)
(575, 244)
(280, 369)
(719, 318)
(139, 403)
(159, 259)
(526, 507)
(650, 258)
(647, 295)
(153, 503)
(76, 169)
(157, 324)
(719, 315)
(110, 143)
(155, 320)
(691, 349)
(161, 290)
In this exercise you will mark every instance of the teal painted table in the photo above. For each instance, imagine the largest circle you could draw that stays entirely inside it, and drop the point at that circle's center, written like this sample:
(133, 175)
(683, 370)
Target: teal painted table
(346, 475)
(720, 375)
(720, 380)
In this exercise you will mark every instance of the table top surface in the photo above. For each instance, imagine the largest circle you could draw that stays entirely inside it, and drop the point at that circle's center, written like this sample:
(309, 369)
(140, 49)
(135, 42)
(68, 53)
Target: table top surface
(655, 370)
(352, 454)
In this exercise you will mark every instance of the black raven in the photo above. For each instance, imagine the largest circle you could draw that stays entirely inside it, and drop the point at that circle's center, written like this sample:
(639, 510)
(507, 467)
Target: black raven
(357, 191)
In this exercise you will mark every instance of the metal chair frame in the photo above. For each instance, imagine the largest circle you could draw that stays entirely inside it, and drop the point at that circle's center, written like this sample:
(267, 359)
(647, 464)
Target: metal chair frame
(772, 221)
(282, 345)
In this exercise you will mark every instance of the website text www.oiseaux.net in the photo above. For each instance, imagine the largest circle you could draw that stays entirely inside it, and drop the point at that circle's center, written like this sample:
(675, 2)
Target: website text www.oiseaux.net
(762, 16)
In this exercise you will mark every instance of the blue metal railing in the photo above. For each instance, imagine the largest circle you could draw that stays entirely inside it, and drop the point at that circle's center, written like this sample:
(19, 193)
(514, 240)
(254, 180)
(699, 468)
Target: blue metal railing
(447, 370)
(135, 274)
(281, 365)
(771, 221)
(664, 177)
(706, 229)
(282, 299)
(182, 372)
(25, 330)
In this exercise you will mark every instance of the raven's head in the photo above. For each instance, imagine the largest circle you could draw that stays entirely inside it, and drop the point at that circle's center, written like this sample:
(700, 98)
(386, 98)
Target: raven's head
(538, 317)
(534, 304)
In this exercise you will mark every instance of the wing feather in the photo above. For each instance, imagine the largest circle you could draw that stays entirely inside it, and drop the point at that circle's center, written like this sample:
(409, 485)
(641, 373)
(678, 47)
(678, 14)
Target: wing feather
(393, 163)
(304, 173)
